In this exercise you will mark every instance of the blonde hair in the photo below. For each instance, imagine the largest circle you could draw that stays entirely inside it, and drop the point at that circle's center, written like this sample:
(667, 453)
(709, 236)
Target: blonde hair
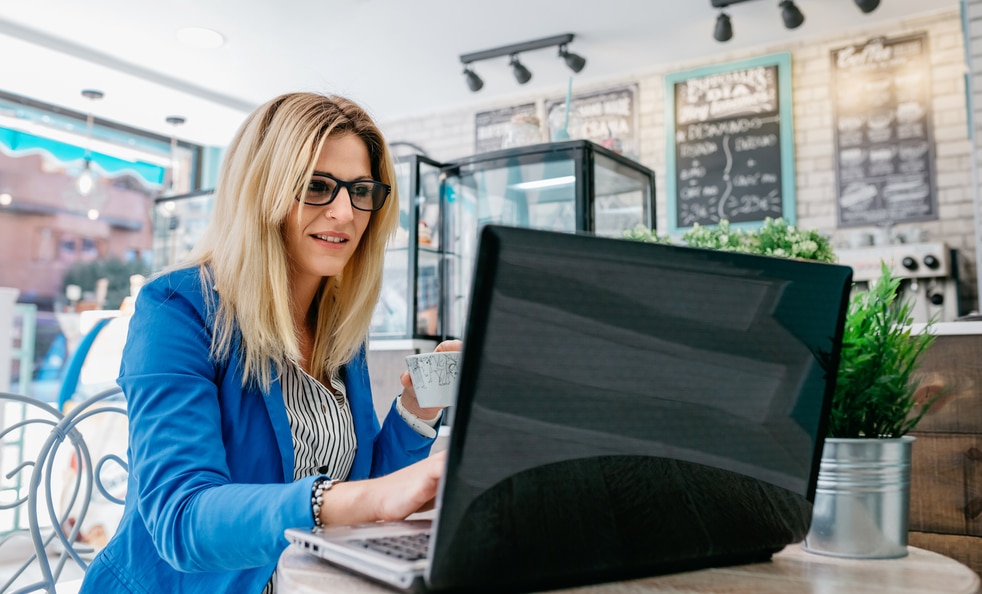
(243, 253)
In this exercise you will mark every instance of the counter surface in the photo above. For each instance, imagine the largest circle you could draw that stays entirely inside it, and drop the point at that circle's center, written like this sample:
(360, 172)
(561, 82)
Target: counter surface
(791, 570)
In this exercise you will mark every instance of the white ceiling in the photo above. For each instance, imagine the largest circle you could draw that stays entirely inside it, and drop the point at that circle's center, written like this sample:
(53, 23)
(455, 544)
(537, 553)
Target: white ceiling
(399, 58)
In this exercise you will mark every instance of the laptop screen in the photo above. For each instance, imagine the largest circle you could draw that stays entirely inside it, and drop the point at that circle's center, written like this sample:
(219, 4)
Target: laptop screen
(630, 408)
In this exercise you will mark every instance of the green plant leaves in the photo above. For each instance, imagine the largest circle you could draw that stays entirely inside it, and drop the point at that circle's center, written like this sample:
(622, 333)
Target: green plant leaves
(775, 237)
(874, 393)
(85, 275)
(644, 234)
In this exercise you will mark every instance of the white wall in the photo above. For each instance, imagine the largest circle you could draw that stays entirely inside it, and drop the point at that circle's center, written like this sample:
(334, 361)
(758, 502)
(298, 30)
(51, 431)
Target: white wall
(450, 135)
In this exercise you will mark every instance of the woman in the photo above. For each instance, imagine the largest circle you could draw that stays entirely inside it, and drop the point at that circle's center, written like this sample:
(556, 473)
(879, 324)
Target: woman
(245, 374)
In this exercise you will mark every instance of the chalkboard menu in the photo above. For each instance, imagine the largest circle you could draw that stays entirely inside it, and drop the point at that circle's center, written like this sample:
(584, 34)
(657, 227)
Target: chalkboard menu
(884, 147)
(730, 153)
(608, 118)
(491, 128)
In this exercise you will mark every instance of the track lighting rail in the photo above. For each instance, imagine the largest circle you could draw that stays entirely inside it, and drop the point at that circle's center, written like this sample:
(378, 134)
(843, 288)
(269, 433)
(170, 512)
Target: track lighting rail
(520, 72)
(516, 48)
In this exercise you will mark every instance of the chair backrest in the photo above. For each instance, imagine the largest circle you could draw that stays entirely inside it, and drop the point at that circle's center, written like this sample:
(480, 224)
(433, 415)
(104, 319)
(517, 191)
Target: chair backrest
(75, 490)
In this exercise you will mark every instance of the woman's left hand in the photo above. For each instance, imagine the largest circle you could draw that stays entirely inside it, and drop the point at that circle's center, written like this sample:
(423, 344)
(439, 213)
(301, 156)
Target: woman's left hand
(392, 497)
(409, 394)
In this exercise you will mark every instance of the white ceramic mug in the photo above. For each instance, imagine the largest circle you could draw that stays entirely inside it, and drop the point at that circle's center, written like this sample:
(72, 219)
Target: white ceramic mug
(434, 377)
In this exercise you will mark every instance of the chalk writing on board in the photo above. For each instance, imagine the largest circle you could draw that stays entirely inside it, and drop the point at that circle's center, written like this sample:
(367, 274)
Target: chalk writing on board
(728, 147)
(883, 140)
(491, 127)
(608, 118)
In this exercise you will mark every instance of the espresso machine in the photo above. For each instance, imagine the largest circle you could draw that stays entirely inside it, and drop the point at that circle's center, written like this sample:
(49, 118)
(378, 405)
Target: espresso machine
(929, 272)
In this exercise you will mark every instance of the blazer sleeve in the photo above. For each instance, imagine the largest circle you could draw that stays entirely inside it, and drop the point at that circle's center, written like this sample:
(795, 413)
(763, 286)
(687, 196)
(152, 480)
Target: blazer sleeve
(395, 444)
(197, 518)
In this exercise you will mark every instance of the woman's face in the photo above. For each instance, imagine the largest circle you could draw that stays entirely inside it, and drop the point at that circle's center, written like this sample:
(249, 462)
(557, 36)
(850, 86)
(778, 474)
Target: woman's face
(324, 238)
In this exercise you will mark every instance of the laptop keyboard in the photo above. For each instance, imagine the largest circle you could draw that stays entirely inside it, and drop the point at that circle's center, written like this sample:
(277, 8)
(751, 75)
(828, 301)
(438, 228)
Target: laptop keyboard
(409, 547)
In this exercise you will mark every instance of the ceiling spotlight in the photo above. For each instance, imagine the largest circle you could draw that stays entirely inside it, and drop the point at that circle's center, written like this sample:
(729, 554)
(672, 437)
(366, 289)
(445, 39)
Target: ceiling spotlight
(724, 30)
(867, 5)
(522, 74)
(791, 15)
(574, 61)
(474, 82)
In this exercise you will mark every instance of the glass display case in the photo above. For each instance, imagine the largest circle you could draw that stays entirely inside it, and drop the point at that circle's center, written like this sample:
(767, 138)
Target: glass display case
(178, 223)
(563, 186)
(409, 305)
(412, 282)
(566, 186)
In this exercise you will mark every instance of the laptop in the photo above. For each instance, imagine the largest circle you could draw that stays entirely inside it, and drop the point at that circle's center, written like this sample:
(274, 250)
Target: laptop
(625, 409)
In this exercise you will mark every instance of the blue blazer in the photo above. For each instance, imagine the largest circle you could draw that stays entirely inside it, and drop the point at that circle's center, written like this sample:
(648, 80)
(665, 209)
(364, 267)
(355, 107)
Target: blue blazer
(211, 486)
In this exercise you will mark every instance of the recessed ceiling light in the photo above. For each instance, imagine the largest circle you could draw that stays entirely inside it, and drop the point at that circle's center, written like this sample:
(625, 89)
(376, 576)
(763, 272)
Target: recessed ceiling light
(200, 37)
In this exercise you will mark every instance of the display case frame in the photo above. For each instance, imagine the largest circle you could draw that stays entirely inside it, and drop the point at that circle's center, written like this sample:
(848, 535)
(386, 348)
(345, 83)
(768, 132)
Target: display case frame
(583, 175)
(179, 222)
(400, 315)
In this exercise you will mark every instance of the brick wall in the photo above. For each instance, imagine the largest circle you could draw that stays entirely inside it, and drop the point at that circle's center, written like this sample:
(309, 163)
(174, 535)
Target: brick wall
(450, 135)
(973, 22)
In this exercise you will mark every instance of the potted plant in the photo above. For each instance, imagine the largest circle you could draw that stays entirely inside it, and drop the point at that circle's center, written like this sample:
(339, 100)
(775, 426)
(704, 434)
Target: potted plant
(863, 493)
(862, 500)
(775, 237)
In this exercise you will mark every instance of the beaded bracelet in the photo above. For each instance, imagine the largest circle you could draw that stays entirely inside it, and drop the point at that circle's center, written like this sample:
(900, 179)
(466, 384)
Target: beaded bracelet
(317, 498)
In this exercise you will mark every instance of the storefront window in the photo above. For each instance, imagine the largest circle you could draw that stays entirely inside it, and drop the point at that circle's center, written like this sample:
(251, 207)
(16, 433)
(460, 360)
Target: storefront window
(90, 249)
(76, 206)
(69, 249)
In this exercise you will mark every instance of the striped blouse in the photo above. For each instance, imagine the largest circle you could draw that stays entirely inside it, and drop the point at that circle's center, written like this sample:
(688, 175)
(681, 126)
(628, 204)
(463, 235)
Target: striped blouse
(321, 424)
(322, 428)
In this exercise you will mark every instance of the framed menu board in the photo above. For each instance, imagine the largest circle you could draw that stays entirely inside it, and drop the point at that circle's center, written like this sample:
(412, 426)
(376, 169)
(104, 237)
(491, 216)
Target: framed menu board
(730, 152)
(884, 146)
(608, 118)
(491, 127)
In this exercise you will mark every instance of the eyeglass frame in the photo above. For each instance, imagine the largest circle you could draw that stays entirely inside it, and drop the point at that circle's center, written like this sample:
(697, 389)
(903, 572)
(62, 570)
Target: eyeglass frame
(347, 185)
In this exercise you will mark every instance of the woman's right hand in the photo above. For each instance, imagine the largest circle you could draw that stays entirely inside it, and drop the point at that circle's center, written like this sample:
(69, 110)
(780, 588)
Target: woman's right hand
(392, 497)
(409, 393)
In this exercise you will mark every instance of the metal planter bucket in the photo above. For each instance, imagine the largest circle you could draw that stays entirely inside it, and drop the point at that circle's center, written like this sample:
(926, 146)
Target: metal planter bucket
(862, 501)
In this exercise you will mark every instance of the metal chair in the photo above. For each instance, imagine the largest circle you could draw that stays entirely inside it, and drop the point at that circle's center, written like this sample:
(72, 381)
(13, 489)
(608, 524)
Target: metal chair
(56, 517)
(20, 441)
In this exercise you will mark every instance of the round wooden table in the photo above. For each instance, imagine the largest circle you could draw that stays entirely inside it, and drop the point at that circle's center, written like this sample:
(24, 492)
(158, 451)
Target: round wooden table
(791, 570)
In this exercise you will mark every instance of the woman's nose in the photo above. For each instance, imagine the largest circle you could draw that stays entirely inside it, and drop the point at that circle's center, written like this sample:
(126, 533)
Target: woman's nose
(341, 208)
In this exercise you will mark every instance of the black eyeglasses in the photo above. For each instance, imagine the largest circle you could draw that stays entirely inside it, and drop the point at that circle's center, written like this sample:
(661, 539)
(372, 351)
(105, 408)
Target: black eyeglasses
(365, 194)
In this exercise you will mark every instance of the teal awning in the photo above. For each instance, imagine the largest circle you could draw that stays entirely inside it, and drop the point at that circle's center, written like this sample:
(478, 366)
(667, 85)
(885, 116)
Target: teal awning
(17, 143)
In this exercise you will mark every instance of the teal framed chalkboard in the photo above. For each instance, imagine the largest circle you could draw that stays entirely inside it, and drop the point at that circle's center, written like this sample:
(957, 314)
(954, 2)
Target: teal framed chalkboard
(730, 144)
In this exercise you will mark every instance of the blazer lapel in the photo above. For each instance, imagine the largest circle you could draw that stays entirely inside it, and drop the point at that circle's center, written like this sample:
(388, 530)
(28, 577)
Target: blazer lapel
(276, 408)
